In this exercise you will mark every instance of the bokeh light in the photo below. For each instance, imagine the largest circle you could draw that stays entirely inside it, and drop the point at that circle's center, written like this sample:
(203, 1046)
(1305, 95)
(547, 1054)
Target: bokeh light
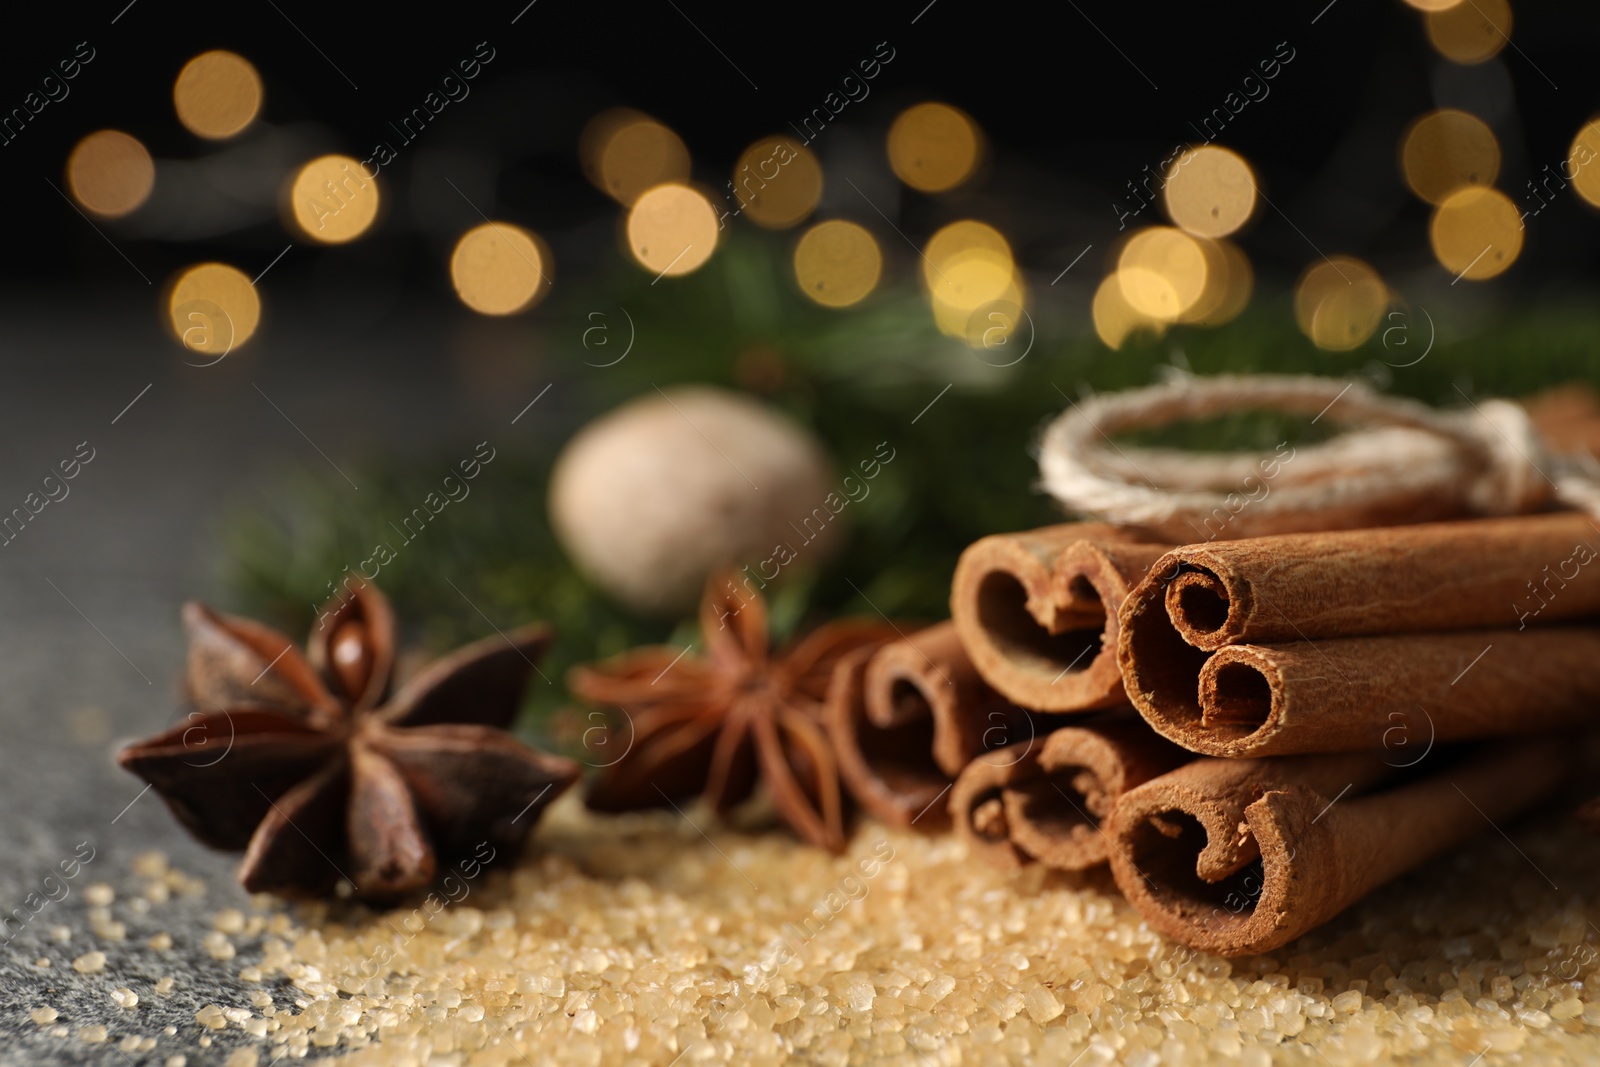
(1434, 5)
(1228, 283)
(1210, 192)
(934, 147)
(1476, 233)
(499, 269)
(625, 152)
(672, 230)
(333, 200)
(213, 308)
(1339, 303)
(778, 182)
(1471, 31)
(837, 263)
(1115, 320)
(971, 281)
(1583, 162)
(1240, 285)
(1445, 150)
(967, 265)
(110, 173)
(961, 236)
(1163, 272)
(217, 94)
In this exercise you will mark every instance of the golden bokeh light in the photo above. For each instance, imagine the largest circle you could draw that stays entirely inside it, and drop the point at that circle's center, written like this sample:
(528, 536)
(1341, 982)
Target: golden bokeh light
(1211, 193)
(1115, 319)
(1471, 31)
(333, 200)
(500, 269)
(1583, 162)
(672, 230)
(110, 173)
(625, 152)
(1339, 303)
(1445, 150)
(1218, 290)
(958, 238)
(1240, 285)
(837, 263)
(1476, 233)
(968, 282)
(217, 94)
(213, 309)
(966, 265)
(1434, 5)
(1163, 272)
(777, 182)
(934, 147)
(1002, 329)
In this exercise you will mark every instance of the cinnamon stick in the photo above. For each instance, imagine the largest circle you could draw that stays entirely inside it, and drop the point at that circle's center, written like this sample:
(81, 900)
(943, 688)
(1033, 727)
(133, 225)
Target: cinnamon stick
(1436, 576)
(1396, 694)
(977, 805)
(906, 716)
(1242, 856)
(1038, 611)
(889, 772)
(929, 677)
(1314, 587)
(1045, 799)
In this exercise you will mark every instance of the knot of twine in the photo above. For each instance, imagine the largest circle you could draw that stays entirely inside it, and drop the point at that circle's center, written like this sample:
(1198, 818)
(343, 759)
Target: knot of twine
(1400, 461)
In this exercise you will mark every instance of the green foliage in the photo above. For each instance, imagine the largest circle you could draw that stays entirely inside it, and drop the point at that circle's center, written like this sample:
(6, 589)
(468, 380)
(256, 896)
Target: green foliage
(962, 468)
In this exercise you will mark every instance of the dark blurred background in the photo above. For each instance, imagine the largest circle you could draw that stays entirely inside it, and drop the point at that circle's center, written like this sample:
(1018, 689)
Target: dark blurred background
(1075, 101)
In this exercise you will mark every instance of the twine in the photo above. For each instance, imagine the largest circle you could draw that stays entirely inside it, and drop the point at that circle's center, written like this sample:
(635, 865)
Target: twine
(1400, 461)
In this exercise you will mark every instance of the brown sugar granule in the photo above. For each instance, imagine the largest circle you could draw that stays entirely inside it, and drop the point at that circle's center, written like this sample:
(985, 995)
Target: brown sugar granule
(634, 939)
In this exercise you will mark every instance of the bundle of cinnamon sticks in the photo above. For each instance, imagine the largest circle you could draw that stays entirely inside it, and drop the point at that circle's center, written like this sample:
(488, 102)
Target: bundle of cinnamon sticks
(1310, 713)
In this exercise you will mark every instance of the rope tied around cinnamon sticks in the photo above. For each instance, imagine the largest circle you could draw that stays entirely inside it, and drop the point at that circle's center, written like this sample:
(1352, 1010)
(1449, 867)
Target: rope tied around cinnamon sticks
(1401, 461)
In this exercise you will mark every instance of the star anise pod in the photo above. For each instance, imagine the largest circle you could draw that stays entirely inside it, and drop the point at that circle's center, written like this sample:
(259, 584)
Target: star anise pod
(311, 766)
(712, 725)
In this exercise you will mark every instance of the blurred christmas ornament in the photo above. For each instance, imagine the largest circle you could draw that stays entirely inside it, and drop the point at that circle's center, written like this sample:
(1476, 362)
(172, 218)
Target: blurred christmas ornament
(651, 498)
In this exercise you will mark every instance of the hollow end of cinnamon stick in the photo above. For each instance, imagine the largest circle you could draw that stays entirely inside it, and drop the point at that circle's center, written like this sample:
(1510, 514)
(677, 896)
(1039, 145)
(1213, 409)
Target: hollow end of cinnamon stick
(1160, 669)
(1202, 606)
(1241, 701)
(977, 806)
(1243, 856)
(928, 678)
(1056, 818)
(1057, 815)
(1037, 612)
(889, 770)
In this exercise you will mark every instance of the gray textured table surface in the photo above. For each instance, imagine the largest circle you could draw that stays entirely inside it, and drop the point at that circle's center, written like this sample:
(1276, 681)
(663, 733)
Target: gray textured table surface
(90, 647)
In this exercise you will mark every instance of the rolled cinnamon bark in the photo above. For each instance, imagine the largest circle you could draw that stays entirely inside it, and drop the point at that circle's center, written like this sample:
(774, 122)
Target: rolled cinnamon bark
(928, 676)
(890, 772)
(906, 716)
(1310, 587)
(1037, 611)
(1240, 857)
(977, 805)
(1404, 579)
(1045, 799)
(1397, 694)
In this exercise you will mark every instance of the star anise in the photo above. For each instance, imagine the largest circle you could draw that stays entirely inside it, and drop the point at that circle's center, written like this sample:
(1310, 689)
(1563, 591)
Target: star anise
(712, 725)
(308, 764)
